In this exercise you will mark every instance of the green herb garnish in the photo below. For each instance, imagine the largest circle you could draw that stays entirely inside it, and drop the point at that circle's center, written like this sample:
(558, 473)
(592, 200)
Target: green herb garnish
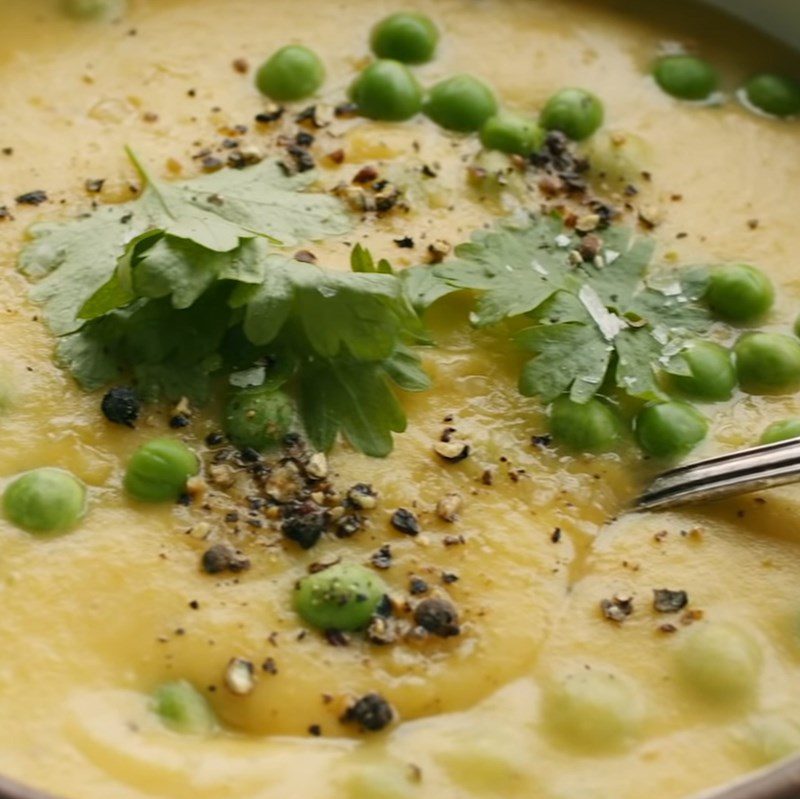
(217, 213)
(187, 284)
(594, 322)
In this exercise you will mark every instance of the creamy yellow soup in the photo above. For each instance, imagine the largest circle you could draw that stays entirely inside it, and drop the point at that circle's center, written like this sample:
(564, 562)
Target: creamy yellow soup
(94, 620)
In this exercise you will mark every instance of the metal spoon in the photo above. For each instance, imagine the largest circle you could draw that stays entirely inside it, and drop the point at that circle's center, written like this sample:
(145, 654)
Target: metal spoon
(738, 472)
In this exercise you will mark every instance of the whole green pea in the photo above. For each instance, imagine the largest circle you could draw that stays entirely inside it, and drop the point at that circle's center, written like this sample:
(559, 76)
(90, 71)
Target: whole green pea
(405, 36)
(387, 90)
(45, 500)
(461, 103)
(768, 363)
(291, 73)
(739, 292)
(93, 9)
(774, 94)
(159, 469)
(183, 708)
(781, 431)
(719, 662)
(575, 112)
(712, 375)
(772, 737)
(592, 710)
(669, 429)
(511, 133)
(343, 597)
(258, 417)
(585, 427)
(686, 77)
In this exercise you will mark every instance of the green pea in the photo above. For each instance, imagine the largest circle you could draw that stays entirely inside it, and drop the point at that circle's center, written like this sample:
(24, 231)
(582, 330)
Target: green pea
(773, 737)
(593, 710)
(258, 417)
(291, 73)
(575, 112)
(159, 469)
(774, 94)
(686, 77)
(183, 708)
(405, 36)
(343, 597)
(388, 91)
(739, 292)
(669, 429)
(585, 427)
(781, 431)
(719, 662)
(712, 375)
(45, 500)
(768, 363)
(93, 9)
(461, 103)
(510, 133)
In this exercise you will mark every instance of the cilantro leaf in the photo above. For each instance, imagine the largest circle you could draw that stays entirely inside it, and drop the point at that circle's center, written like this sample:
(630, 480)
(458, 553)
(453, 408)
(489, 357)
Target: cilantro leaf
(571, 358)
(405, 369)
(359, 314)
(75, 258)
(594, 314)
(624, 259)
(638, 355)
(423, 288)
(351, 396)
(516, 269)
(183, 270)
(217, 210)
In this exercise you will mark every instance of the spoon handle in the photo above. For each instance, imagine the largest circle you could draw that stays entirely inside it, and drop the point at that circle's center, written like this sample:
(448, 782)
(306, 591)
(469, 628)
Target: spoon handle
(738, 472)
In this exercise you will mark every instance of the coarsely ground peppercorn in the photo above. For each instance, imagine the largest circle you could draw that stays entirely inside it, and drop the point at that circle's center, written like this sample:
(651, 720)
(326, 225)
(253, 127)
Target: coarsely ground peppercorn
(382, 559)
(223, 557)
(304, 524)
(438, 617)
(348, 525)
(36, 197)
(667, 601)
(618, 608)
(404, 521)
(371, 712)
(121, 405)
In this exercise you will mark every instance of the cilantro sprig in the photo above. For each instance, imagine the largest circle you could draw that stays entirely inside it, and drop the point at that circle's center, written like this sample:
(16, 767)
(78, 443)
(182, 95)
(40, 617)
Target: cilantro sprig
(188, 285)
(596, 323)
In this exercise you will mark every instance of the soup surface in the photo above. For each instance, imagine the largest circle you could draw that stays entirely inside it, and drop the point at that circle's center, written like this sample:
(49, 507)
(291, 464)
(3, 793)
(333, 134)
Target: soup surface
(565, 680)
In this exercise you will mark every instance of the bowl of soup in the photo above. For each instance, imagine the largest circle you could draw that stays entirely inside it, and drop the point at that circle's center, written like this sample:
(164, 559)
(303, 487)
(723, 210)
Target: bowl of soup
(338, 340)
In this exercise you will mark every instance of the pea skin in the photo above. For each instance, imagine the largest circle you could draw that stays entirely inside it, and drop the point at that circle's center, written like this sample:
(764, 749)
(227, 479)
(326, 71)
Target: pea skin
(406, 37)
(159, 469)
(387, 90)
(292, 73)
(575, 112)
(685, 77)
(343, 597)
(461, 103)
(45, 500)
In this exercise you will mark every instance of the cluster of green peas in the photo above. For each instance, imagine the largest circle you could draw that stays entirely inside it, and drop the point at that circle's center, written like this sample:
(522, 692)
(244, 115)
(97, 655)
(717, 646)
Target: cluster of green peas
(688, 77)
(51, 500)
(593, 710)
(388, 90)
(760, 362)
